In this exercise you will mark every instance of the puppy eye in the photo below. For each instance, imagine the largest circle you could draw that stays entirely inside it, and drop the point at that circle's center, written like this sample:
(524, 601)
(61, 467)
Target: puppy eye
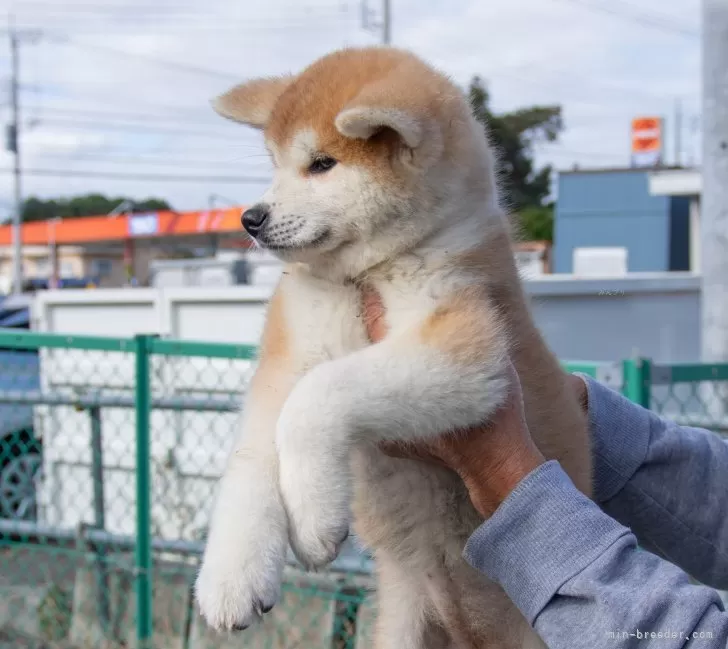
(322, 165)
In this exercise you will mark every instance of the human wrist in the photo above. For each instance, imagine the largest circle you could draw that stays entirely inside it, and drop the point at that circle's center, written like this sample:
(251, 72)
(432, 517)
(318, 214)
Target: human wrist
(489, 484)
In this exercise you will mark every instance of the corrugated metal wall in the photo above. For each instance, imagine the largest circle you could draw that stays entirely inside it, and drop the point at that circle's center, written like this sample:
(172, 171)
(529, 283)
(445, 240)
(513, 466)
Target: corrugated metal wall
(612, 208)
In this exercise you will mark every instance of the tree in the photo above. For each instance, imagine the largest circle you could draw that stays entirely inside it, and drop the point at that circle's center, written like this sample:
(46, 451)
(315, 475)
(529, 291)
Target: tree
(36, 209)
(537, 222)
(513, 135)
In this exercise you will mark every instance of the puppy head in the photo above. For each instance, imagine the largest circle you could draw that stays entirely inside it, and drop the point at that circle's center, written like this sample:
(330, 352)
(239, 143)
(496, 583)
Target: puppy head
(370, 147)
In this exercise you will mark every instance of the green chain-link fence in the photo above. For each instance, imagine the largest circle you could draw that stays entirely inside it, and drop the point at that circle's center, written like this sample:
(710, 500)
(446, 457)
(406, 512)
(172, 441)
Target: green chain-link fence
(691, 394)
(109, 453)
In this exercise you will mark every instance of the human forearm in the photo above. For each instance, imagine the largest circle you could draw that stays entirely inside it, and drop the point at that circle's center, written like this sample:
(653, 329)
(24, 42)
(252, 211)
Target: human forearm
(666, 482)
(577, 576)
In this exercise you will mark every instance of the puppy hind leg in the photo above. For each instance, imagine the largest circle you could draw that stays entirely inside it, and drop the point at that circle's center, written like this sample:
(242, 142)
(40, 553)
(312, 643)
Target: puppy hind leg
(404, 611)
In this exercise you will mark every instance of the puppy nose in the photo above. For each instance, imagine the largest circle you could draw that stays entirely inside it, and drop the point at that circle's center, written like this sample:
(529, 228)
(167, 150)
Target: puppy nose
(254, 218)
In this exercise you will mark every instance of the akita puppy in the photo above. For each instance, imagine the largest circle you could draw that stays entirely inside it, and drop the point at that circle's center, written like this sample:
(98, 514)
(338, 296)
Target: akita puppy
(383, 181)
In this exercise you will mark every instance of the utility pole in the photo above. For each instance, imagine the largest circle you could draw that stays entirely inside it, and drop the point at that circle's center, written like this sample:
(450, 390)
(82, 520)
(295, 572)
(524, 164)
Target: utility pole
(386, 22)
(714, 211)
(13, 145)
(384, 27)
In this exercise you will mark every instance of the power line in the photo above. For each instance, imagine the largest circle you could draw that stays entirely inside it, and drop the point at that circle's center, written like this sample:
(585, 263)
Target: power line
(160, 124)
(145, 161)
(253, 31)
(570, 92)
(671, 19)
(177, 22)
(646, 20)
(125, 54)
(116, 100)
(154, 129)
(580, 82)
(95, 7)
(232, 151)
(582, 154)
(75, 112)
(192, 69)
(79, 173)
(176, 9)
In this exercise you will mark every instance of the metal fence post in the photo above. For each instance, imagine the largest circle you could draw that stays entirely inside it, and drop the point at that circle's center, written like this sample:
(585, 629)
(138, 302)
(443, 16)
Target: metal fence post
(97, 474)
(142, 398)
(638, 380)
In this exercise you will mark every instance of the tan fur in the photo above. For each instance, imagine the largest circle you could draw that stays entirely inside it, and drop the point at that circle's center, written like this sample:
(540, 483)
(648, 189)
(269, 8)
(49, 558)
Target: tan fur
(390, 78)
(552, 411)
(251, 103)
(464, 327)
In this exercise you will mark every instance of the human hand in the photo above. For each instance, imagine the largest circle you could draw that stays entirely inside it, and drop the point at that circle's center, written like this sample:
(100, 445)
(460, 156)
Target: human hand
(491, 458)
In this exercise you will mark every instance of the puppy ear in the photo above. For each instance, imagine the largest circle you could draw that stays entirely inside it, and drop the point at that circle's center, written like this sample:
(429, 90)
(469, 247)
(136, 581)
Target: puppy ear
(361, 122)
(395, 102)
(252, 102)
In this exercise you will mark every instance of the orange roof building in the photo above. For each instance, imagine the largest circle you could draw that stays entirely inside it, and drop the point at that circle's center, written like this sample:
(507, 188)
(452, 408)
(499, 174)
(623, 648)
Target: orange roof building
(148, 225)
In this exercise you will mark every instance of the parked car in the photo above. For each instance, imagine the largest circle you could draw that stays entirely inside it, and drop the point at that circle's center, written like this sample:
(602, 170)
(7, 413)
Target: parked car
(20, 450)
(31, 285)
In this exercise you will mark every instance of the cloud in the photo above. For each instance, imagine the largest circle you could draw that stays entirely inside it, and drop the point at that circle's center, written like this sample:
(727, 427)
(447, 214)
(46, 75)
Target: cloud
(124, 85)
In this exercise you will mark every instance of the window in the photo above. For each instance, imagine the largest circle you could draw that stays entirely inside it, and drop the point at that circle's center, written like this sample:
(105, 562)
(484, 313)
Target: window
(100, 267)
(42, 266)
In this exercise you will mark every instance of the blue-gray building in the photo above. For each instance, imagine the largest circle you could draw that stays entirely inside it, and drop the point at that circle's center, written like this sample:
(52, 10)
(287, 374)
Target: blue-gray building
(614, 208)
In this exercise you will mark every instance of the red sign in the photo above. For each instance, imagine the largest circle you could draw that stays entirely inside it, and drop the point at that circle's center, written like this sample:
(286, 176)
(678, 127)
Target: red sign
(646, 141)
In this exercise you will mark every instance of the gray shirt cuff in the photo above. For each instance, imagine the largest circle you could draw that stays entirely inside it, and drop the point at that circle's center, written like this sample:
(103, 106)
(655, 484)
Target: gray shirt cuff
(620, 435)
(526, 547)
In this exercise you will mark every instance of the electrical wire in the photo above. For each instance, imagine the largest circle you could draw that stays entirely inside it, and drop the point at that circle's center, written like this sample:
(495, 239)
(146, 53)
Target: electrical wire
(171, 119)
(80, 173)
(174, 65)
(645, 20)
(154, 129)
(136, 161)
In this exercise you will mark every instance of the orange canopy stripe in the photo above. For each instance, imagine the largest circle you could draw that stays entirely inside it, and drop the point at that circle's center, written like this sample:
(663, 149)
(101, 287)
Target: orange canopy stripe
(115, 228)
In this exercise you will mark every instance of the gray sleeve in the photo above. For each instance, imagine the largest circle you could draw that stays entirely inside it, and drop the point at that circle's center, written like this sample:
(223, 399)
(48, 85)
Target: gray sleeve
(579, 579)
(667, 483)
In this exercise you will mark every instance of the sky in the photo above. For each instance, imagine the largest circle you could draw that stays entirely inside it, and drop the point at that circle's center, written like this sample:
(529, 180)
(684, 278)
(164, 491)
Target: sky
(122, 88)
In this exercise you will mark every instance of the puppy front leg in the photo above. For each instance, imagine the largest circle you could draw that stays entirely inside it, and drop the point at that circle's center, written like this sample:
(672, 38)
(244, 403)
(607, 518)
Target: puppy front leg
(448, 372)
(242, 566)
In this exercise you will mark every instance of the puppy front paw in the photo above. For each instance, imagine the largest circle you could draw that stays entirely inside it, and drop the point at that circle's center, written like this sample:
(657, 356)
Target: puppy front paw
(232, 597)
(242, 568)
